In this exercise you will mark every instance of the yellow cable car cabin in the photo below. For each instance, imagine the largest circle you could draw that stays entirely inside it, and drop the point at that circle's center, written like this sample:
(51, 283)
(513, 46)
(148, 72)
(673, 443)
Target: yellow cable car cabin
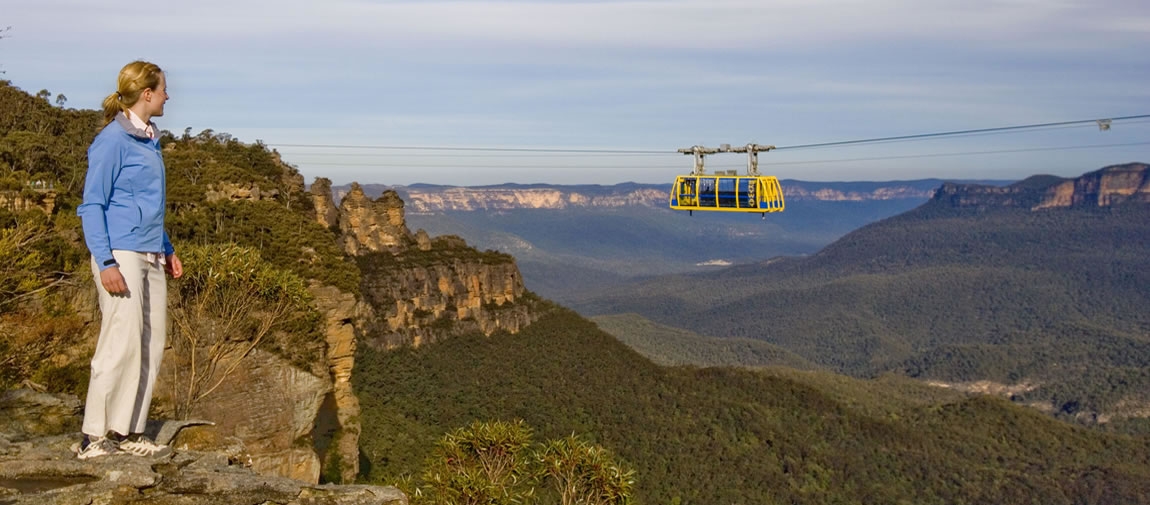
(725, 191)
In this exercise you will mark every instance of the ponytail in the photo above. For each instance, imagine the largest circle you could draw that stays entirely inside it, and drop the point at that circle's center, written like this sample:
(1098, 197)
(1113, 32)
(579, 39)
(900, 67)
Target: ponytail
(134, 78)
(112, 106)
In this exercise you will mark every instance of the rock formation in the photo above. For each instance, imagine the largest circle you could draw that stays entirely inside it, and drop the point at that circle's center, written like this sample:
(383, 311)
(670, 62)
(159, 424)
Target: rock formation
(421, 297)
(17, 201)
(1110, 186)
(420, 288)
(341, 311)
(326, 213)
(238, 192)
(271, 406)
(373, 225)
(37, 466)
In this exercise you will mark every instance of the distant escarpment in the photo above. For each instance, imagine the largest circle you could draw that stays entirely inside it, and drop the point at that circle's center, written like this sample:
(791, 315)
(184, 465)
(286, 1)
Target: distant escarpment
(426, 198)
(422, 289)
(1109, 186)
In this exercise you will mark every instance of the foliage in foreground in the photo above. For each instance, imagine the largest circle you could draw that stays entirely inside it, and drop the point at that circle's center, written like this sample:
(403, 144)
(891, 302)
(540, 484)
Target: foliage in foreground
(494, 463)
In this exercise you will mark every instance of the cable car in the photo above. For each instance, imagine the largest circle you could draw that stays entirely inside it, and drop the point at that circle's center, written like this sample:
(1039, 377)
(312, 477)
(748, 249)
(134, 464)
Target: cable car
(726, 191)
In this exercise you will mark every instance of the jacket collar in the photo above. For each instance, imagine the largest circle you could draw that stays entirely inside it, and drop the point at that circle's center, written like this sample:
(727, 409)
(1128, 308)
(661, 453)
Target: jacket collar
(130, 129)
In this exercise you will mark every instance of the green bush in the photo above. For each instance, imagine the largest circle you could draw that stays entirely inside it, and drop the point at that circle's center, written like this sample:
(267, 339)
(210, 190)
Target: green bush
(495, 463)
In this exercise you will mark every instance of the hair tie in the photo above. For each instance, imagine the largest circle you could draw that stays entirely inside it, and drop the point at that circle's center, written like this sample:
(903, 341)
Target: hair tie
(119, 97)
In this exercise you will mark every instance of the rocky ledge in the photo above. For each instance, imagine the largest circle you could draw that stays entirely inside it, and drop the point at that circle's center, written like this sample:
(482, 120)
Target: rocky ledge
(39, 468)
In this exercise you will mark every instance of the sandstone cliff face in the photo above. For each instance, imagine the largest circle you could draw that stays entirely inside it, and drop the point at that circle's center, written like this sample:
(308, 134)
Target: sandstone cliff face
(1110, 186)
(892, 192)
(341, 311)
(15, 201)
(472, 199)
(421, 297)
(271, 406)
(1113, 185)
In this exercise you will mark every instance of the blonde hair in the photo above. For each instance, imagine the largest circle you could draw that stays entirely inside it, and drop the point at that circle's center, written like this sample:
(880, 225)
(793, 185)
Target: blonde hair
(134, 78)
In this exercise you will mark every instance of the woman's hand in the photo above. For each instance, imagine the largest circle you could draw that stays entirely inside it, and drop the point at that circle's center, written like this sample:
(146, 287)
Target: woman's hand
(113, 281)
(173, 266)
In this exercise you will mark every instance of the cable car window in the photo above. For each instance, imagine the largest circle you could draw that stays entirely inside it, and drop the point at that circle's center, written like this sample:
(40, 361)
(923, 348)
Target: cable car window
(727, 197)
(707, 192)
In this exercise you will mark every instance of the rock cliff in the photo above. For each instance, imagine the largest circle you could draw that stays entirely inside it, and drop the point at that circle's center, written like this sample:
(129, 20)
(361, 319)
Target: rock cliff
(37, 465)
(422, 289)
(271, 406)
(423, 296)
(339, 444)
(18, 201)
(1109, 186)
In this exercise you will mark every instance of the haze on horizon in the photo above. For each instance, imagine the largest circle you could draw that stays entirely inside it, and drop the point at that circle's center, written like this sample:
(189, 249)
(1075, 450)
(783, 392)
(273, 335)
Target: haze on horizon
(631, 75)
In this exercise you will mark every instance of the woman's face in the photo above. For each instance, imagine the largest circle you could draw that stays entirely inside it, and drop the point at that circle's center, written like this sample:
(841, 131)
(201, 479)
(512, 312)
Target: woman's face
(156, 97)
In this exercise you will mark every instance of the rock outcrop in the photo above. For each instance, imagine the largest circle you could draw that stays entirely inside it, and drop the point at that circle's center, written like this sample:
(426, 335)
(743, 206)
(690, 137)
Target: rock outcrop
(17, 201)
(341, 311)
(37, 466)
(1110, 186)
(373, 225)
(423, 296)
(422, 289)
(326, 213)
(239, 192)
(271, 406)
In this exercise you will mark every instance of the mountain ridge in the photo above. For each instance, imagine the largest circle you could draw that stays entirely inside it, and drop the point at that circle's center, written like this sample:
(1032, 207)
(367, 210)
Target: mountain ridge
(1110, 185)
(423, 198)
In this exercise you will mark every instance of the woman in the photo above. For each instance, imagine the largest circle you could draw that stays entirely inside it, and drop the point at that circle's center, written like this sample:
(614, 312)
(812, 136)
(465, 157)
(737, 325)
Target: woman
(123, 219)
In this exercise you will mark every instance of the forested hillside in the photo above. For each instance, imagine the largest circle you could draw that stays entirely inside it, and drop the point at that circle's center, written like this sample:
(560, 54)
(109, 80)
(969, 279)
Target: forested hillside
(724, 435)
(1054, 299)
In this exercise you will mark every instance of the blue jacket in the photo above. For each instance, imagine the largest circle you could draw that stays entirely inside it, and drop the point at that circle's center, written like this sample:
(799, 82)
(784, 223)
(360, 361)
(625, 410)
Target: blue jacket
(124, 194)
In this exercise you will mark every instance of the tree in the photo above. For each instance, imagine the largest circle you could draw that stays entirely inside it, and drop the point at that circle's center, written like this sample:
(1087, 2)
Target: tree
(483, 464)
(487, 463)
(585, 474)
(223, 309)
(61, 99)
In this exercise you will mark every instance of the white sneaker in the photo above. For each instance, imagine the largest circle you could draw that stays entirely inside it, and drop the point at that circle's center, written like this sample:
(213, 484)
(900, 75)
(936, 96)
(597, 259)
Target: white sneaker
(94, 447)
(139, 445)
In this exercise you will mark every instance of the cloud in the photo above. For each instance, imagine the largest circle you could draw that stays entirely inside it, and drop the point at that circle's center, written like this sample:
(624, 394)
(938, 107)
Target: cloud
(665, 24)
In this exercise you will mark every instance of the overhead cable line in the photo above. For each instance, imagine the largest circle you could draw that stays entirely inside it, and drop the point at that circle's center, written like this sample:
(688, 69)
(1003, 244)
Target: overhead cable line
(478, 149)
(1102, 124)
(966, 153)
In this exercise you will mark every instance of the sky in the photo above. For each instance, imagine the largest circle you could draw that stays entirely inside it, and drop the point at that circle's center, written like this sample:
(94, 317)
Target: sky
(654, 75)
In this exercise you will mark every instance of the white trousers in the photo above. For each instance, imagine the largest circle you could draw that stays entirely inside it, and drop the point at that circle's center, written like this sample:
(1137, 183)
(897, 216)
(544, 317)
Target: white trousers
(133, 331)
